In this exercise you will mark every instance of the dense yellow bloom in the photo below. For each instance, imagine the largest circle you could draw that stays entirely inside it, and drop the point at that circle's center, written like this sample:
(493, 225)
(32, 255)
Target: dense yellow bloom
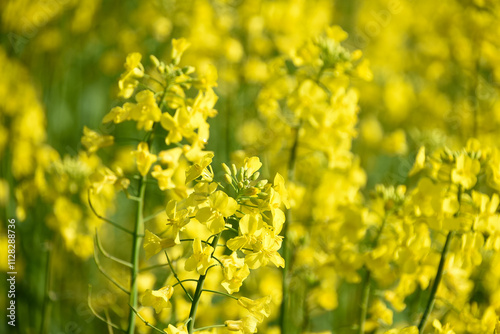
(145, 112)
(133, 71)
(259, 309)
(200, 169)
(419, 162)
(177, 219)
(406, 330)
(235, 272)
(93, 141)
(164, 177)
(176, 330)
(158, 299)
(153, 244)
(247, 325)
(178, 47)
(201, 259)
(144, 158)
(220, 206)
(465, 171)
(440, 329)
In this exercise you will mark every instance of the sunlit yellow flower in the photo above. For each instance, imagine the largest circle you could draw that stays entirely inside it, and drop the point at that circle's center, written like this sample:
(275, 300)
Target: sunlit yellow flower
(465, 171)
(93, 141)
(419, 162)
(133, 70)
(220, 206)
(200, 169)
(159, 299)
(178, 47)
(144, 159)
(177, 219)
(247, 325)
(235, 272)
(176, 330)
(164, 177)
(260, 308)
(201, 259)
(153, 244)
(406, 330)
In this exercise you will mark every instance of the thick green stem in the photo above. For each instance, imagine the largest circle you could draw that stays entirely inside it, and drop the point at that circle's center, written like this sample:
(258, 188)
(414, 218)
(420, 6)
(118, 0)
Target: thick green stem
(136, 247)
(435, 285)
(198, 292)
(365, 296)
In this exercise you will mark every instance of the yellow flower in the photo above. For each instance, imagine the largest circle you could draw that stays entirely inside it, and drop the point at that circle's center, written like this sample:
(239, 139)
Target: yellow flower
(419, 162)
(406, 330)
(94, 141)
(220, 206)
(116, 115)
(178, 47)
(159, 299)
(200, 169)
(102, 177)
(176, 330)
(178, 126)
(164, 177)
(260, 308)
(247, 325)
(265, 250)
(153, 244)
(177, 219)
(144, 159)
(201, 259)
(250, 228)
(379, 311)
(465, 171)
(251, 166)
(235, 272)
(440, 329)
(134, 70)
(279, 186)
(170, 157)
(146, 111)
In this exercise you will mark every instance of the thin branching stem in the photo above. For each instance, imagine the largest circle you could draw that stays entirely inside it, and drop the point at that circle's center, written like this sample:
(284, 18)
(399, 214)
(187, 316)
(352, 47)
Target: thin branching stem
(208, 327)
(89, 302)
(109, 256)
(185, 280)
(118, 226)
(145, 321)
(153, 267)
(177, 277)
(435, 285)
(154, 215)
(199, 291)
(101, 269)
(220, 293)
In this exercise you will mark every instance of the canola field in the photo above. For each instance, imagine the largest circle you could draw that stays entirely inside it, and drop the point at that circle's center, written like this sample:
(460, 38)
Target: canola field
(250, 166)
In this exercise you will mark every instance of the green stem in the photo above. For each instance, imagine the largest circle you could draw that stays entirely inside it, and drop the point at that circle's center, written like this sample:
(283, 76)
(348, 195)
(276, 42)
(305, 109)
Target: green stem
(435, 285)
(209, 327)
(198, 292)
(365, 292)
(220, 293)
(177, 277)
(284, 321)
(365, 296)
(136, 247)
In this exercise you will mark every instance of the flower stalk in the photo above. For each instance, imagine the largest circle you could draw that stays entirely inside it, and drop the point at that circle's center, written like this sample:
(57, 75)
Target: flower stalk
(199, 290)
(136, 247)
(435, 285)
